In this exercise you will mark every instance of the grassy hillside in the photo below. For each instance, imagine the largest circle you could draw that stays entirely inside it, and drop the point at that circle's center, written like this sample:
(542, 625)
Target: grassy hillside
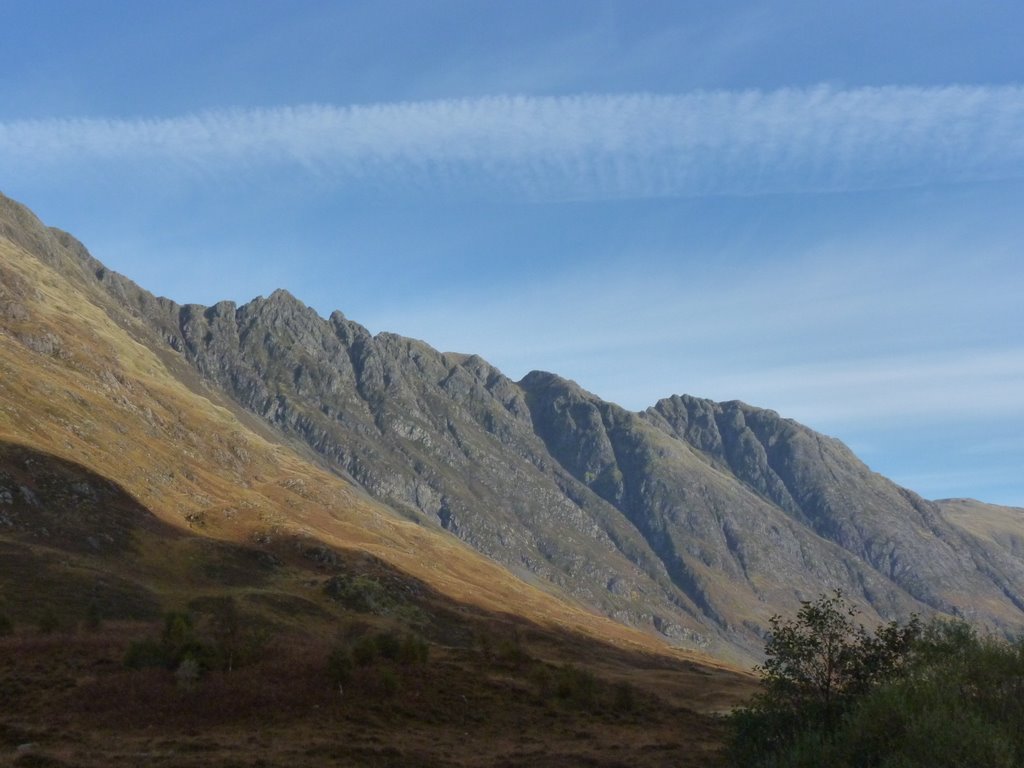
(127, 491)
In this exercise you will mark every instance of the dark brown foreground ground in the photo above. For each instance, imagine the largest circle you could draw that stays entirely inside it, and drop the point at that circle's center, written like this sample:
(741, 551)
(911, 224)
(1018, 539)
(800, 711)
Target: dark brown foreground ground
(66, 699)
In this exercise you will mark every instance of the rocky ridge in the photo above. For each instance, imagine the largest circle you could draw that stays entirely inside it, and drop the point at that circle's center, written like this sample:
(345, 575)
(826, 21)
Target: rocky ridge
(694, 518)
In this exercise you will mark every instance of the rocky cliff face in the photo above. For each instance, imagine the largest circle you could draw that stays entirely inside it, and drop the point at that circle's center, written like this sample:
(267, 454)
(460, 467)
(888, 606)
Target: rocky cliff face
(696, 518)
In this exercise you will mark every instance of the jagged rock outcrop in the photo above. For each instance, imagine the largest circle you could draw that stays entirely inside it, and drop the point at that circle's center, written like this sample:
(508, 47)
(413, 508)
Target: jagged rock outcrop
(696, 518)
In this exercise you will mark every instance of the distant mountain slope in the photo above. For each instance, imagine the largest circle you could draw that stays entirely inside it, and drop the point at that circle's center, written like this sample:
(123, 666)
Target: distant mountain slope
(1002, 526)
(695, 518)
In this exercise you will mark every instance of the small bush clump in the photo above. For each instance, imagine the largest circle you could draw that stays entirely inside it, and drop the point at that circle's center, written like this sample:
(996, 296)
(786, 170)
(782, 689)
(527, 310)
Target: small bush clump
(340, 665)
(408, 650)
(360, 594)
(511, 651)
(144, 654)
(576, 686)
(623, 699)
(93, 618)
(375, 662)
(224, 644)
(48, 622)
(387, 682)
(413, 651)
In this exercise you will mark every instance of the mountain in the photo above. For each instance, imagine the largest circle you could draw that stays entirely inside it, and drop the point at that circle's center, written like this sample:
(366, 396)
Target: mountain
(135, 492)
(82, 382)
(692, 519)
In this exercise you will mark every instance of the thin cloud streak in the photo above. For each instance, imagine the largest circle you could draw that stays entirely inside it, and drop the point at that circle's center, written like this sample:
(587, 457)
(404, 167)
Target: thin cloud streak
(579, 147)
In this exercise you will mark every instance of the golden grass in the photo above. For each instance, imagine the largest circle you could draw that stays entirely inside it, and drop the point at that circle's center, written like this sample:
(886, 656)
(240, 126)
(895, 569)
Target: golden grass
(989, 521)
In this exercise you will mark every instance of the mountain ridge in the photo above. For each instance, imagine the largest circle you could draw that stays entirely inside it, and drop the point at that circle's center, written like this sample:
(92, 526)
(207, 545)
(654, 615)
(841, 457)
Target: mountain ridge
(75, 386)
(694, 518)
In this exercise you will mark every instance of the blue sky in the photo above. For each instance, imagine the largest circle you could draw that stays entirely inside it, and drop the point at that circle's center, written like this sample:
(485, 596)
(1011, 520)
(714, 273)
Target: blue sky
(811, 206)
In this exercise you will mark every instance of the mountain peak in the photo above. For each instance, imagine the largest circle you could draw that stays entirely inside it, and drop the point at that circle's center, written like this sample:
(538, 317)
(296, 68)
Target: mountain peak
(537, 381)
(283, 296)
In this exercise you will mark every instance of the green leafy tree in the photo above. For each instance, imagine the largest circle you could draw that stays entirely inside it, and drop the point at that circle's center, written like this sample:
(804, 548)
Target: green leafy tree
(819, 660)
(809, 659)
(958, 701)
(904, 696)
(816, 665)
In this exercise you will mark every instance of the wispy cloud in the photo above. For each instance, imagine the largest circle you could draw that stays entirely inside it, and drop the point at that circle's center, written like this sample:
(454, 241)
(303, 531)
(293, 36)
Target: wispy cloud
(581, 147)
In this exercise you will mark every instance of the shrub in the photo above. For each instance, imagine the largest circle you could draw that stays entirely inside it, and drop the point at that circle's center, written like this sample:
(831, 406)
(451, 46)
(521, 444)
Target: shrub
(230, 642)
(6, 625)
(921, 722)
(511, 651)
(339, 665)
(364, 651)
(93, 617)
(907, 696)
(360, 593)
(178, 629)
(413, 651)
(48, 622)
(388, 645)
(187, 674)
(179, 640)
(485, 644)
(142, 654)
(387, 682)
(576, 686)
(542, 677)
(623, 698)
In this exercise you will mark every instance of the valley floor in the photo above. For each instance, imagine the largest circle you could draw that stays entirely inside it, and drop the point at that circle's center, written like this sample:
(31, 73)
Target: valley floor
(66, 699)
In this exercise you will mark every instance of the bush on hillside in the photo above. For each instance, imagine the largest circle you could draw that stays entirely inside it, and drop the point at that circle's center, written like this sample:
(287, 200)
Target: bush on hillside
(93, 617)
(48, 622)
(906, 696)
(361, 594)
(223, 642)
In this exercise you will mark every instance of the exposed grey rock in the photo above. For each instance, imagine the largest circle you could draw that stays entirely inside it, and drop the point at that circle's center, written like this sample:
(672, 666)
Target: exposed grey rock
(695, 518)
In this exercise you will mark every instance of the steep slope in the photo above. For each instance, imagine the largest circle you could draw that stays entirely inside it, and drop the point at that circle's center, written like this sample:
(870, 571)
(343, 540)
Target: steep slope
(444, 437)
(819, 482)
(697, 519)
(747, 510)
(77, 384)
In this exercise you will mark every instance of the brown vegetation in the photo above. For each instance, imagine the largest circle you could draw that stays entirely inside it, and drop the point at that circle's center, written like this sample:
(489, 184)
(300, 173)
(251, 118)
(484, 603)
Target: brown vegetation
(70, 695)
